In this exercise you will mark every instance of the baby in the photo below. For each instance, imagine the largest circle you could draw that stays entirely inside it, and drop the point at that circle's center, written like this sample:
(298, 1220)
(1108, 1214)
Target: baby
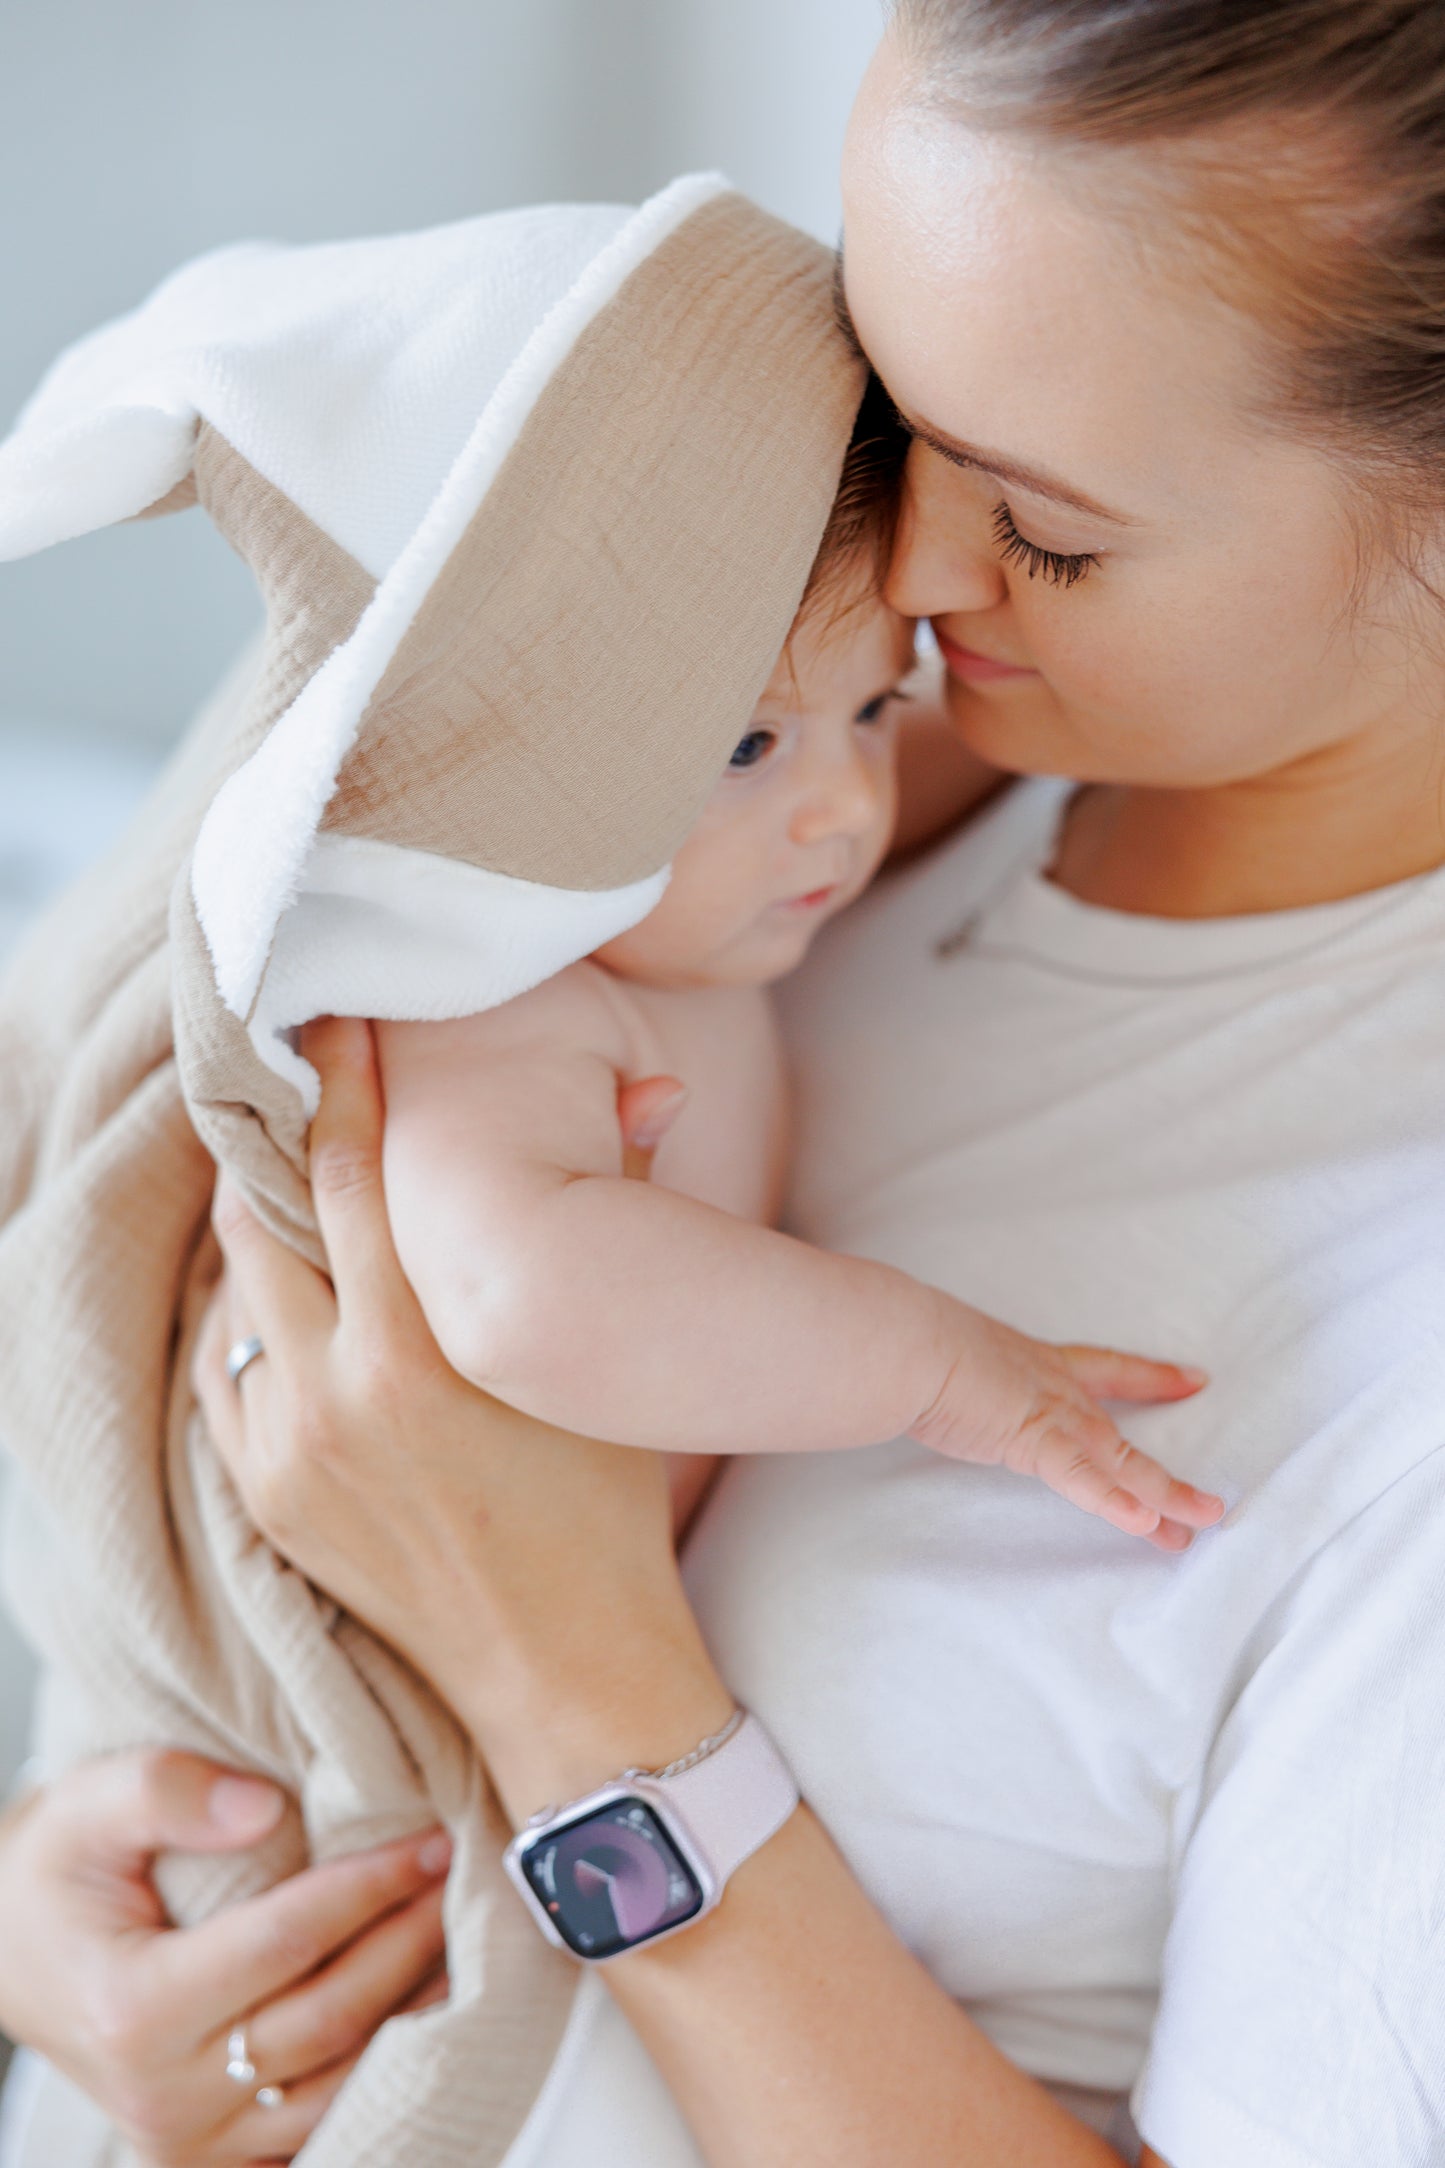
(668, 1313)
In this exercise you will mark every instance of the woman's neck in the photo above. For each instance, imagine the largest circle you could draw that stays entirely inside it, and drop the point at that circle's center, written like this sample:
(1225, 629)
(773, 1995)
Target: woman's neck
(1337, 825)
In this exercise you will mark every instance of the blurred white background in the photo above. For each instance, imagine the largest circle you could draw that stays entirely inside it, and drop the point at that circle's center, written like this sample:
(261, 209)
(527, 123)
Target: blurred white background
(135, 136)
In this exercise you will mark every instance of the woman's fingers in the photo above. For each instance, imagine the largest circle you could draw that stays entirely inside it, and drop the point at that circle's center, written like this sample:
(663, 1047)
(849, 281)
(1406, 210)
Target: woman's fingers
(307, 2101)
(220, 1402)
(346, 1171)
(272, 1287)
(255, 1951)
(331, 2016)
(433, 1991)
(119, 1810)
(646, 1110)
(263, 2137)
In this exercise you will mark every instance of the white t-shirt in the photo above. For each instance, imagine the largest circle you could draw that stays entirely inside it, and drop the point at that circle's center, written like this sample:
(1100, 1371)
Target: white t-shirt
(1168, 1827)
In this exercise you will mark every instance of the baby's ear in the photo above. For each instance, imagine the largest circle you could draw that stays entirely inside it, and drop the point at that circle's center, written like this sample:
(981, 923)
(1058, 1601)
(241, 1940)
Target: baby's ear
(646, 1110)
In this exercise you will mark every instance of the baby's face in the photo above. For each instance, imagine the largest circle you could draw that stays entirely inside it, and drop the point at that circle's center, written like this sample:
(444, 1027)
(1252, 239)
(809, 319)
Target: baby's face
(799, 824)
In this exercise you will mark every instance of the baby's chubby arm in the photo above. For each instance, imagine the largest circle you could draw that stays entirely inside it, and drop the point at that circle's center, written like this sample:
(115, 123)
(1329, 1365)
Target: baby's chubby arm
(626, 1310)
(621, 1308)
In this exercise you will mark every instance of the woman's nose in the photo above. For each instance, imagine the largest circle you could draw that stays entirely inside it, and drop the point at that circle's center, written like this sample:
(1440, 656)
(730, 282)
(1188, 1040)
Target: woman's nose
(944, 562)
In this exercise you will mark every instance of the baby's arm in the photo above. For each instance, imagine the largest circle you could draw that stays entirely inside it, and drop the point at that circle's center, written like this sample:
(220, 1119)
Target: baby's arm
(626, 1310)
(619, 1307)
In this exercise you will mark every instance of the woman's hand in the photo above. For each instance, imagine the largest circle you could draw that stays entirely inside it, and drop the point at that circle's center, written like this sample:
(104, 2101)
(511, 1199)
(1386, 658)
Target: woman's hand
(528, 1573)
(138, 2013)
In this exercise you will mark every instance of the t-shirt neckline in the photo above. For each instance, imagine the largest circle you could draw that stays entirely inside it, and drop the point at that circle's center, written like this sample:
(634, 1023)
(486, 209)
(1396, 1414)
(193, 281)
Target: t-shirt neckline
(1033, 917)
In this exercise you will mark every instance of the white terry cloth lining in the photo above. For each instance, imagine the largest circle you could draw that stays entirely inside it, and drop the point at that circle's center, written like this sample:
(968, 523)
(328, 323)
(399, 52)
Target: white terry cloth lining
(255, 838)
(382, 930)
(298, 355)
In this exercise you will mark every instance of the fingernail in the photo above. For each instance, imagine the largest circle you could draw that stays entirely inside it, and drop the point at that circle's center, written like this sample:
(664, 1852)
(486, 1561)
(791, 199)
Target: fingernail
(1193, 1375)
(245, 1806)
(650, 1132)
(435, 1856)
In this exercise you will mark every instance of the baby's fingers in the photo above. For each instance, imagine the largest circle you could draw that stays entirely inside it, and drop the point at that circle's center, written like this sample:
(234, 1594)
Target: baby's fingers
(1161, 1492)
(1086, 1461)
(1106, 1374)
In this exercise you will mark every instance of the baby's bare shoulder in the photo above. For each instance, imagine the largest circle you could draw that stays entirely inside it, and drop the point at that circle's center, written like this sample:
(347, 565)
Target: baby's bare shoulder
(571, 1010)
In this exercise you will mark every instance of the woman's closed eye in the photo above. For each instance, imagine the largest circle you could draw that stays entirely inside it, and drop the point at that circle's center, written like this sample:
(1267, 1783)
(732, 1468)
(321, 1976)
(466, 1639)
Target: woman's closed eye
(1058, 567)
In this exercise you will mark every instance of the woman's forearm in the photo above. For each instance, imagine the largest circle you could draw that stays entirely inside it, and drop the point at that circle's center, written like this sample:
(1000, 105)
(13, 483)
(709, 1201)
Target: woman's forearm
(791, 2024)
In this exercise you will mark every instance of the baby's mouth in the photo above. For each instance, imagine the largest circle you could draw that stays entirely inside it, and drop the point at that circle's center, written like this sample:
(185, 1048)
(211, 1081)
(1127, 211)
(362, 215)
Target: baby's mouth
(816, 899)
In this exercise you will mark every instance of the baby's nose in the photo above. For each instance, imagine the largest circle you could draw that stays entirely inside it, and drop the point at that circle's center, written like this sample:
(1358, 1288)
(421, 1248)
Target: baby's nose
(846, 801)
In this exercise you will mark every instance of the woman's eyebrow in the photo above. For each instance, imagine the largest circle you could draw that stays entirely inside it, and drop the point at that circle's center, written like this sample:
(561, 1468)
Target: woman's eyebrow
(1037, 483)
(971, 455)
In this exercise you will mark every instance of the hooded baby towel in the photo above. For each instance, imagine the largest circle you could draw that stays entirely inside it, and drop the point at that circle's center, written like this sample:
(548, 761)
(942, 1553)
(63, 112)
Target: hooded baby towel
(532, 501)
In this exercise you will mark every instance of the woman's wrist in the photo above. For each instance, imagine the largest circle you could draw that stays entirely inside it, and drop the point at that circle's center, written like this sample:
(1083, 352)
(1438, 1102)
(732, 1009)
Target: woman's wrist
(553, 1720)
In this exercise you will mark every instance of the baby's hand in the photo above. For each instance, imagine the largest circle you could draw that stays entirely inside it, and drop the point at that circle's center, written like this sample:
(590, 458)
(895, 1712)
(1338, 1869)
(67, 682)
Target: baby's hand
(1017, 1403)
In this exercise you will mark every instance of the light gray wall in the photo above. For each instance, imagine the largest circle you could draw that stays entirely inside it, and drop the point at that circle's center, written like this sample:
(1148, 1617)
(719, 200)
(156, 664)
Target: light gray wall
(135, 136)
(762, 89)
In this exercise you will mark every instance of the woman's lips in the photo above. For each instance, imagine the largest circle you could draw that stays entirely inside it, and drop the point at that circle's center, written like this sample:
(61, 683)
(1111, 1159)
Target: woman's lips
(976, 669)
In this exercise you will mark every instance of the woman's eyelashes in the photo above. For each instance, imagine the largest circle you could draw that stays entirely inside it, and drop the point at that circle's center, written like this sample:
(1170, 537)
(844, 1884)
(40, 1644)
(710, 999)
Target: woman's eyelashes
(1059, 568)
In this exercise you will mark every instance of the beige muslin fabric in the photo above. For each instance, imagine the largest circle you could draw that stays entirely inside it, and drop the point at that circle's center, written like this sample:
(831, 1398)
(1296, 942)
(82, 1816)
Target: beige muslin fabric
(557, 711)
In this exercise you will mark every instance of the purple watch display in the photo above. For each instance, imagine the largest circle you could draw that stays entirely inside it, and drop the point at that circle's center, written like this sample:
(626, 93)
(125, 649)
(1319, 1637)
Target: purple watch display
(651, 1852)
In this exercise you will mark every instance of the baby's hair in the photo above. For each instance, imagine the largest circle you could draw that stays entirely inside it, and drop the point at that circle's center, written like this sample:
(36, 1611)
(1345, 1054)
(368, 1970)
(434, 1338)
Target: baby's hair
(857, 544)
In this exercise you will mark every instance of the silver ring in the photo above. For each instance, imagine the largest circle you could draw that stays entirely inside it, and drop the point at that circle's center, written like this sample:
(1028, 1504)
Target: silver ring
(241, 1356)
(239, 2067)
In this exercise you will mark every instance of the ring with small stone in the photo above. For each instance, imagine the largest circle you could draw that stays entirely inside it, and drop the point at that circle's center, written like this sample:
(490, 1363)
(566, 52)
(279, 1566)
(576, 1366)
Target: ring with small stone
(239, 2067)
(240, 1358)
(242, 2071)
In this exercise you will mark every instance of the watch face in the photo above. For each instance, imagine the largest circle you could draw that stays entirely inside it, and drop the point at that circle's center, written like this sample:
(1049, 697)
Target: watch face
(611, 1879)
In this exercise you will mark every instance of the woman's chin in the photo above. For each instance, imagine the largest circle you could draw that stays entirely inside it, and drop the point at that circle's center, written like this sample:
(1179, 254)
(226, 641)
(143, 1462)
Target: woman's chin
(1022, 735)
(1006, 730)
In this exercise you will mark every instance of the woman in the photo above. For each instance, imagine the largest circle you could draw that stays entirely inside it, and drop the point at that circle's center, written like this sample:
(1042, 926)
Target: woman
(1160, 288)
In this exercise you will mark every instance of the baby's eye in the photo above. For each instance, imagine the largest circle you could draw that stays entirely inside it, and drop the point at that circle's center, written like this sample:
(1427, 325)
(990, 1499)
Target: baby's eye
(754, 747)
(877, 708)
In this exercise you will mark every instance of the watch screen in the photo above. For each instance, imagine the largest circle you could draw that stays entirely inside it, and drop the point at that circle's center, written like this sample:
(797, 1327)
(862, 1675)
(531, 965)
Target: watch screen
(612, 1879)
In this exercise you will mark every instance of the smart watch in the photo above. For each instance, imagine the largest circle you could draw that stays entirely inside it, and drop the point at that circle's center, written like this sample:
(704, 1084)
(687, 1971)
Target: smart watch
(651, 1852)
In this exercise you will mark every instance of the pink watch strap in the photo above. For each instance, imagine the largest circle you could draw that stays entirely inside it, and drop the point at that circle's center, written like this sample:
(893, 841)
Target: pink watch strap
(735, 1800)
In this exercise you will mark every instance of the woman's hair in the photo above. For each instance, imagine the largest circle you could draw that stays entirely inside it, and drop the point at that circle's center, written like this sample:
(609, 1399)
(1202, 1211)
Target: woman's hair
(1304, 140)
(858, 540)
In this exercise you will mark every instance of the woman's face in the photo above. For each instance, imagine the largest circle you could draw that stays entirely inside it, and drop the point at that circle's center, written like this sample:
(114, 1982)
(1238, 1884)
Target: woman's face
(1132, 579)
